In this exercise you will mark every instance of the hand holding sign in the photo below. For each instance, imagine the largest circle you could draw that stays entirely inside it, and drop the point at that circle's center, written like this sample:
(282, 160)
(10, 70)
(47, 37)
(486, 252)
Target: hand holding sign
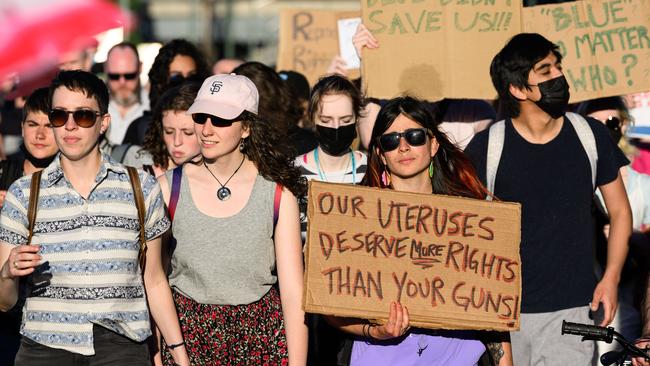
(363, 38)
(396, 326)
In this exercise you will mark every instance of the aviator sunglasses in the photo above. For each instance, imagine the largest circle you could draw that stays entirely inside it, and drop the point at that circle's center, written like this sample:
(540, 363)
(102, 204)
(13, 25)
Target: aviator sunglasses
(413, 136)
(129, 76)
(85, 118)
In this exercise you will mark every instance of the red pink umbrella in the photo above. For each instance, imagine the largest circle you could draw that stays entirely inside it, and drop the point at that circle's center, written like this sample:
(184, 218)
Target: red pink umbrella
(34, 33)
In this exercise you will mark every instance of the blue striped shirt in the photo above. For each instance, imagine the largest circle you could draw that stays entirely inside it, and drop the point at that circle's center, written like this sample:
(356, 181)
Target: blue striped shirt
(90, 272)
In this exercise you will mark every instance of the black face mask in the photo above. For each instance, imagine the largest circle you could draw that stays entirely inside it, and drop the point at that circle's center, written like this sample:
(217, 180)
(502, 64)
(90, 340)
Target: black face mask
(336, 141)
(555, 96)
(36, 162)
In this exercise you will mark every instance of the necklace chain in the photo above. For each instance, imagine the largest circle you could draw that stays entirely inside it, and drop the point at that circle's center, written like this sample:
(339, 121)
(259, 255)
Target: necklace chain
(321, 170)
(233, 174)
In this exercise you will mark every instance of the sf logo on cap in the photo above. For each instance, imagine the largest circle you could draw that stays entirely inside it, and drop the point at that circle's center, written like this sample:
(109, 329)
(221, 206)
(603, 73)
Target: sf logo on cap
(216, 86)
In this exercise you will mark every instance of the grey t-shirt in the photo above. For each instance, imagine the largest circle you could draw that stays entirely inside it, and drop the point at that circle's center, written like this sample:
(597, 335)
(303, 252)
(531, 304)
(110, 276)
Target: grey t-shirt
(224, 261)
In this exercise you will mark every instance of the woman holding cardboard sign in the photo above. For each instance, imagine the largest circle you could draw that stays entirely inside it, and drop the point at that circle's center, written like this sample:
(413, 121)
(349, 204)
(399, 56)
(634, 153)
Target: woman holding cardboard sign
(408, 153)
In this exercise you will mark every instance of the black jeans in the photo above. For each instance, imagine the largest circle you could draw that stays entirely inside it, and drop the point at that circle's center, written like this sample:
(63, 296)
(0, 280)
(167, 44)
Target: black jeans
(110, 349)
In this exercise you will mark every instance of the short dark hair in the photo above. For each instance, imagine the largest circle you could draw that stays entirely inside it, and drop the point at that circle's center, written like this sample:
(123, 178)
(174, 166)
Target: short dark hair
(38, 101)
(85, 82)
(332, 85)
(512, 65)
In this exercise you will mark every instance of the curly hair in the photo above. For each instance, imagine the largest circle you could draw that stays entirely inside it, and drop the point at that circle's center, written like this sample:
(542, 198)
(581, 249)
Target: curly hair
(266, 147)
(455, 174)
(277, 103)
(178, 98)
(159, 73)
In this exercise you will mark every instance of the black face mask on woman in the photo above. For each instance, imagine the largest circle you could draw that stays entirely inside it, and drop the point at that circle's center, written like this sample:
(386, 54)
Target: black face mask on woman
(336, 141)
(555, 96)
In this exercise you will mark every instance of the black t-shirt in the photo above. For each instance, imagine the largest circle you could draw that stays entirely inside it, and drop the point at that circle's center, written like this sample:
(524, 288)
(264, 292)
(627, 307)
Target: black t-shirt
(552, 181)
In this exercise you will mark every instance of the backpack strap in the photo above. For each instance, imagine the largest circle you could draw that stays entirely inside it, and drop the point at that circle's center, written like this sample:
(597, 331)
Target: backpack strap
(588, 141)
(276, 204)
(33, 204)
(177, 177)
(119, 152)
(139, 204)
(496, 137)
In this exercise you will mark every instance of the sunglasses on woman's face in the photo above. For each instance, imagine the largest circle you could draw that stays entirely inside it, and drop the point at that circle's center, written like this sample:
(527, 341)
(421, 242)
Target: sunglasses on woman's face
(85, 118)
(201, 118)
(413, 136)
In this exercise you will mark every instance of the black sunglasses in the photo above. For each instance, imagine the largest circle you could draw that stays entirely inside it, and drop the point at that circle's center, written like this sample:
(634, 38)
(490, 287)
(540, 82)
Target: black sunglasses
(129, 76)
(413, 136)
(201, 118)
(613, 123)
(85, 118)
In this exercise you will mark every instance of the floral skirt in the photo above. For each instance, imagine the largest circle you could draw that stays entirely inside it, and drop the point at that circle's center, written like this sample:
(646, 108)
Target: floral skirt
(251, 334)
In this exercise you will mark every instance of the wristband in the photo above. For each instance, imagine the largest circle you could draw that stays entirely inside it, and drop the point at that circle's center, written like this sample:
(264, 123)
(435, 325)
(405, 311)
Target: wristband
(172, 346)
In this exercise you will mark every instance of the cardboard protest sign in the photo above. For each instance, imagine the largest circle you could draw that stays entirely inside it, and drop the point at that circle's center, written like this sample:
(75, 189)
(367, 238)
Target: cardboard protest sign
(309, 41)
(443, 48)
(605, 44)
(454, 262)
(436, 48)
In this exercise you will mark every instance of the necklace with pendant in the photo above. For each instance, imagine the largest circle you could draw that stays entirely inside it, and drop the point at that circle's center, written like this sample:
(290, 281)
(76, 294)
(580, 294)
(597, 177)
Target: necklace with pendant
(223, 193)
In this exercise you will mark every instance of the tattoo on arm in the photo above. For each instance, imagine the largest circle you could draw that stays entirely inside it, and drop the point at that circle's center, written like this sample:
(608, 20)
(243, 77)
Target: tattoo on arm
(496, 351)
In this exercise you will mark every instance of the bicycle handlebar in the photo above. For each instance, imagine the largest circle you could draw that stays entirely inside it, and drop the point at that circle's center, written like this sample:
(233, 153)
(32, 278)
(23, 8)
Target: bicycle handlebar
(605, 334)
(590, 331)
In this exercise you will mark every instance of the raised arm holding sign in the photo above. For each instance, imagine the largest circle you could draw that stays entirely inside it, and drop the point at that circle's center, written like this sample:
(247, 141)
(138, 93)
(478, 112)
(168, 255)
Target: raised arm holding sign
(413, 260)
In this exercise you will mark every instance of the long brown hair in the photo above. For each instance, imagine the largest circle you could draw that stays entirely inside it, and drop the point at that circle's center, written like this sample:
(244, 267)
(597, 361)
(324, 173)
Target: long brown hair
(453, 172)
(266, 146)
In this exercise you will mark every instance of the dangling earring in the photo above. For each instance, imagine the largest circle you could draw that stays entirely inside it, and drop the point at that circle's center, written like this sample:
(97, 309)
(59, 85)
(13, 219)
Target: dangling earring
(385, 178)
(431, 169)
(241, 145)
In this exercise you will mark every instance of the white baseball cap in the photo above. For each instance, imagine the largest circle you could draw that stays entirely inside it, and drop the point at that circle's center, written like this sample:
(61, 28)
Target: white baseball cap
(226, 96)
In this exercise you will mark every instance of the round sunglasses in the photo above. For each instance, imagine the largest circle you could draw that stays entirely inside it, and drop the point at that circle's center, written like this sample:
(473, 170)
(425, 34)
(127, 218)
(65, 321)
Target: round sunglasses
(85, 118)
(413, 137)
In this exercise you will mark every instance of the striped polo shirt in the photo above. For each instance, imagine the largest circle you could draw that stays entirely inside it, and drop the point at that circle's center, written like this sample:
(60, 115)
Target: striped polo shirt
(90, 272)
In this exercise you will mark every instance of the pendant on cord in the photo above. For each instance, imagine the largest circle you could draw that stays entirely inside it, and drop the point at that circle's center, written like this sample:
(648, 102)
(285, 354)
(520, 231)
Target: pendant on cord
(223, 194)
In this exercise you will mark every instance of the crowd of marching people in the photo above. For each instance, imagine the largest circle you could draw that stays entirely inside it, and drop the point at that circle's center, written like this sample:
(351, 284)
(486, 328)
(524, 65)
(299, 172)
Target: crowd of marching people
(165, 224)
